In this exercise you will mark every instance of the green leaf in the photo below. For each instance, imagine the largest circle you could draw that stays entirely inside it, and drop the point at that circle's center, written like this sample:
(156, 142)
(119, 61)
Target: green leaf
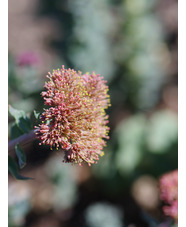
(21, 156)
(15, 131)
(37, 114)
(16, 113)
(24, 124)
(21, 119)
(13, 169)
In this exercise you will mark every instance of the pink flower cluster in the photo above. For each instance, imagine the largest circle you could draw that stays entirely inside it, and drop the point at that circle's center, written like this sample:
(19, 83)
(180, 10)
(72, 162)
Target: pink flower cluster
(169, 193)
(76, 120)
(27, 58)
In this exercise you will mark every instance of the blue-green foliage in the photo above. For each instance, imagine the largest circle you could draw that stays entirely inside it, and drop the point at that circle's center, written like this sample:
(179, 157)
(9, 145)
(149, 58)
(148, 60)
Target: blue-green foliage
(20, 155)
(104, 215)
(21, 121)
(13, 169)
(63, 178)
(20, 126)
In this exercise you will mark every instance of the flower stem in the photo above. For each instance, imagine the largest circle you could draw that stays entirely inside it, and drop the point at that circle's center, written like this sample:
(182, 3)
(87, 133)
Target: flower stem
(22, 140)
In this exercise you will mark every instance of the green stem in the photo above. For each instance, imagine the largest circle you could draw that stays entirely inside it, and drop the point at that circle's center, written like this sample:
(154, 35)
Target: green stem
(22, 140)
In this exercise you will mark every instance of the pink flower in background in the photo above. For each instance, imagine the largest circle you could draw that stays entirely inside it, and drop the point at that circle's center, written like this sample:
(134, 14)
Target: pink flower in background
(169, 193)
(76, 120)
(27, 58)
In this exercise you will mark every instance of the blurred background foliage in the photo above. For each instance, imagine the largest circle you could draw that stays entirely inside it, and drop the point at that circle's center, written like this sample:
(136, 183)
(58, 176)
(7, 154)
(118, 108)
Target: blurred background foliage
(133, 44)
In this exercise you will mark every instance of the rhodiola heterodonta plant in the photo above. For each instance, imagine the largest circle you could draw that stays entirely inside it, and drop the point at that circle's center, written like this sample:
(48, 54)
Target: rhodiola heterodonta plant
(76, 120)
(169, 193)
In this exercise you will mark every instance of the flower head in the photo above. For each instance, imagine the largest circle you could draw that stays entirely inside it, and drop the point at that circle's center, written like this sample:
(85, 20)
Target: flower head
(169, 193)
(76, 120)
